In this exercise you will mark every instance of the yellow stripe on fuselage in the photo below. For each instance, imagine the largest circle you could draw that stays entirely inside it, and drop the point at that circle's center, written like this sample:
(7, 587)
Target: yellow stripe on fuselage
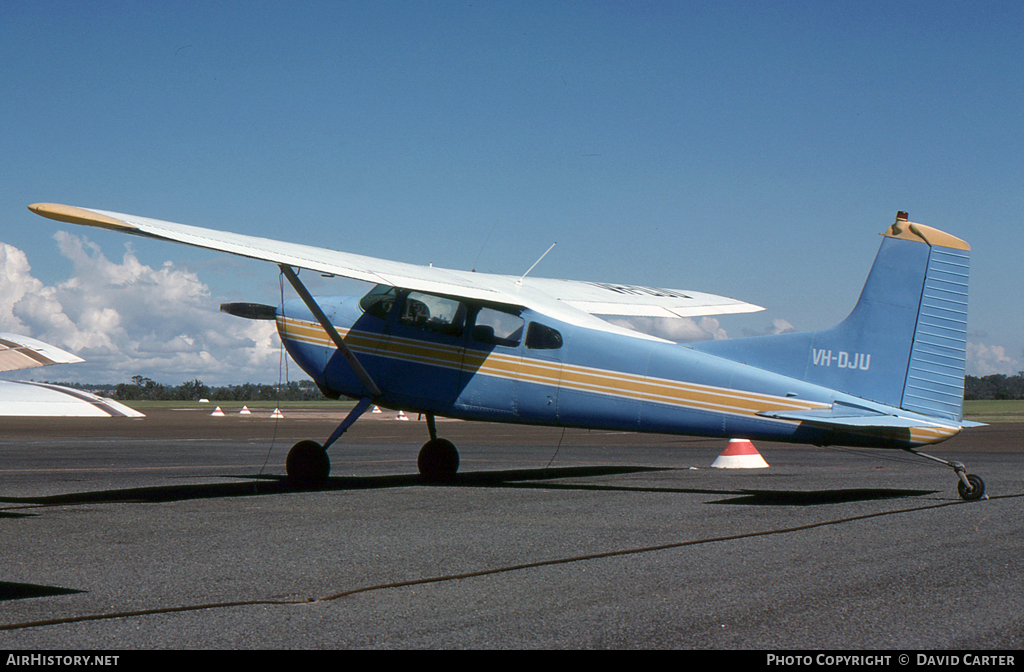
(571, 376)
(630, 386)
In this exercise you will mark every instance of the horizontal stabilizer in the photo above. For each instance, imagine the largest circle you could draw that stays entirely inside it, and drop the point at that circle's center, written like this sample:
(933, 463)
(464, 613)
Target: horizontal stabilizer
(859, 421)
(845, 416)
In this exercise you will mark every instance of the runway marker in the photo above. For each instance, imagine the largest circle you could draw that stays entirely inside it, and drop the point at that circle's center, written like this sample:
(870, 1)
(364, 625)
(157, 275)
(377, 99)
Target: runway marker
(739, 454)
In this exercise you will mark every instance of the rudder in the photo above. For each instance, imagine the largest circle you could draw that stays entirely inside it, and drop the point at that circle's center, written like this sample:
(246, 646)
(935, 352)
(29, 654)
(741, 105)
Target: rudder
(935, 376)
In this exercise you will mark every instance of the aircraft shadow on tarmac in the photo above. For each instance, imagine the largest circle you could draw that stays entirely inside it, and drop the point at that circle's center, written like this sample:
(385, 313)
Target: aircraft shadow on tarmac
(518, 478)
(816, 497)
(21, 591)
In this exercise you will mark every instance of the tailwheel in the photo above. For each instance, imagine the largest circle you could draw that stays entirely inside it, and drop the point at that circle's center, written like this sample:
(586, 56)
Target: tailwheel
(308, 465)
(438, 460)
(975, 491)
(970, 486)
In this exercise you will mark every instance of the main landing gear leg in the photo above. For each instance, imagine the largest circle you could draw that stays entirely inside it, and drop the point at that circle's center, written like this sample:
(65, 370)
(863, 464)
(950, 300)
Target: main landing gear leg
(438, 460)
(970, 486)
(308, 465)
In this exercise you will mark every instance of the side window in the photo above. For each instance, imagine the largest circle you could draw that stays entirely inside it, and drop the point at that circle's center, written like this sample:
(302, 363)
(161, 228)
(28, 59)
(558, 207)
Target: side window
(379, 301)
(434, 313)
(540, 337)
(496, 327)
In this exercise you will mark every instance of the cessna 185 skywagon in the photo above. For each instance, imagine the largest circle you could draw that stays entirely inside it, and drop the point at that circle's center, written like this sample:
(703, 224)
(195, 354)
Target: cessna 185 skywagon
(529, 350)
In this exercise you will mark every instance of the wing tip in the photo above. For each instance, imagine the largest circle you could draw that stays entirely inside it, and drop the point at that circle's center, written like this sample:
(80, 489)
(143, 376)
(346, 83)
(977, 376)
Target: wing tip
(75, 215)
(19, 352)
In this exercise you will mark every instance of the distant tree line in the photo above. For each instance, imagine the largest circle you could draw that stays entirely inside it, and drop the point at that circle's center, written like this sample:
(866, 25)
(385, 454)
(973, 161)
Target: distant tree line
(146, 389)
(996, 386)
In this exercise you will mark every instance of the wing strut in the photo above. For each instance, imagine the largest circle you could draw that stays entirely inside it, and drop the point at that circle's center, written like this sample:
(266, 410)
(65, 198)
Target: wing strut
(314, 308)
(352, 416)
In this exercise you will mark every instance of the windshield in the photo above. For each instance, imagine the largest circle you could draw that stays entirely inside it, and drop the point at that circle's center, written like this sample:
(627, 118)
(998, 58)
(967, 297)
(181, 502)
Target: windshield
(379, 301)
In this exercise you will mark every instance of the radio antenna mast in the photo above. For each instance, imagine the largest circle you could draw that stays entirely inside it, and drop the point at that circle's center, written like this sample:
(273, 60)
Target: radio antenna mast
(473, 269)
(520, 280)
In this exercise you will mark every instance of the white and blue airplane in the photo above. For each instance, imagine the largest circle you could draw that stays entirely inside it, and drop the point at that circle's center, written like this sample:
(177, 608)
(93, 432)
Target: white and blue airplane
(496, 348)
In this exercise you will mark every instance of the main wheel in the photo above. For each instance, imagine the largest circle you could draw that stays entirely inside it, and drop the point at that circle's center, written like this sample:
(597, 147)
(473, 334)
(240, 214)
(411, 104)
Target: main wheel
(308, 465)
(977, 490)
(438, 460)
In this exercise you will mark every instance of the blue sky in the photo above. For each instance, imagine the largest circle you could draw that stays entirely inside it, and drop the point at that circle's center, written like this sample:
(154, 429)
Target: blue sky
(752, 149)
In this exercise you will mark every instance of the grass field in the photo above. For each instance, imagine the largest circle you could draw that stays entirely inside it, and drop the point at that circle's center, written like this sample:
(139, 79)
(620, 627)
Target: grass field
(1009, 410)
(237, 405)
(979, 411)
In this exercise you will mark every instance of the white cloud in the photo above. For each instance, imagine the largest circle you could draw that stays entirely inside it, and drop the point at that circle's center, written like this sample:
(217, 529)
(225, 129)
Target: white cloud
(128, 318)
(689, 330)
(15, 283)
(778, 326)
(986, 360)
(680, 330)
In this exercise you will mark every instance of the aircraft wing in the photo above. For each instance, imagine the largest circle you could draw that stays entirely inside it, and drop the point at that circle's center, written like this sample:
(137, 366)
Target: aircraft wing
(24, 398)
(21, 398)
(21, 352)
(572, 301)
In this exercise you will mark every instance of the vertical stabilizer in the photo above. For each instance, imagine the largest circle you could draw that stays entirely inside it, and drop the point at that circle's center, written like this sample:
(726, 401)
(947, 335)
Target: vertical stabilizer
(904, 344)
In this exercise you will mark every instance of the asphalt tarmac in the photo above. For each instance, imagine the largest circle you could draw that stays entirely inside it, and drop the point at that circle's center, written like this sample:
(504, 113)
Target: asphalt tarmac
(178, 531)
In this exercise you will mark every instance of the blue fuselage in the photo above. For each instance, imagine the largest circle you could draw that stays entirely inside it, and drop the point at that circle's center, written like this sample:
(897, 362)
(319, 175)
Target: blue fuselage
(555, 374)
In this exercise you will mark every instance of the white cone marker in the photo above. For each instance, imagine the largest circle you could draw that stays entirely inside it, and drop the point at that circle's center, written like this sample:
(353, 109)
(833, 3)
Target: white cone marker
(739, 454)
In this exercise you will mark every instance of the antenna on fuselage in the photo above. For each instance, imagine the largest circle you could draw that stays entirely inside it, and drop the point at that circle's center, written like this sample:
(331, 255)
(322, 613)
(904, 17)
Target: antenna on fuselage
(493, 226)
(520, 280)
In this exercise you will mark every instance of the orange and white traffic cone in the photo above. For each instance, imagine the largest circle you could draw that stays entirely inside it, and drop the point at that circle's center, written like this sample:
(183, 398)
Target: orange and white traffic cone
(739, 454)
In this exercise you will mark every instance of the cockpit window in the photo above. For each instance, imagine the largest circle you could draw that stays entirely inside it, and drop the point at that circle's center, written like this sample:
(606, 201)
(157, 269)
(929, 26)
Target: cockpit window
(496, 327)
(379, 301)
(434, 313)
(540, 337)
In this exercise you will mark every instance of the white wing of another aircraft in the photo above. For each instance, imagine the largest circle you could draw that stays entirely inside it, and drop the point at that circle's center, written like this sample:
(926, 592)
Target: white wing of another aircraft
(23, 398)
(21, 352)
(20, 398)
(572, 301)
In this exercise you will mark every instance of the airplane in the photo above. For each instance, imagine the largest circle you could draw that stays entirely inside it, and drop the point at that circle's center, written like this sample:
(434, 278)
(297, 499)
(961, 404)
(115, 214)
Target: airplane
(22, 398)
(499, 348)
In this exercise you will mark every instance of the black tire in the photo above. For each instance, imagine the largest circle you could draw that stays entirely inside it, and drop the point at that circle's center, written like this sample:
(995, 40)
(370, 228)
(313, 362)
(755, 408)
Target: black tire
(977, 490)
(438, 461)
(308, 465)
